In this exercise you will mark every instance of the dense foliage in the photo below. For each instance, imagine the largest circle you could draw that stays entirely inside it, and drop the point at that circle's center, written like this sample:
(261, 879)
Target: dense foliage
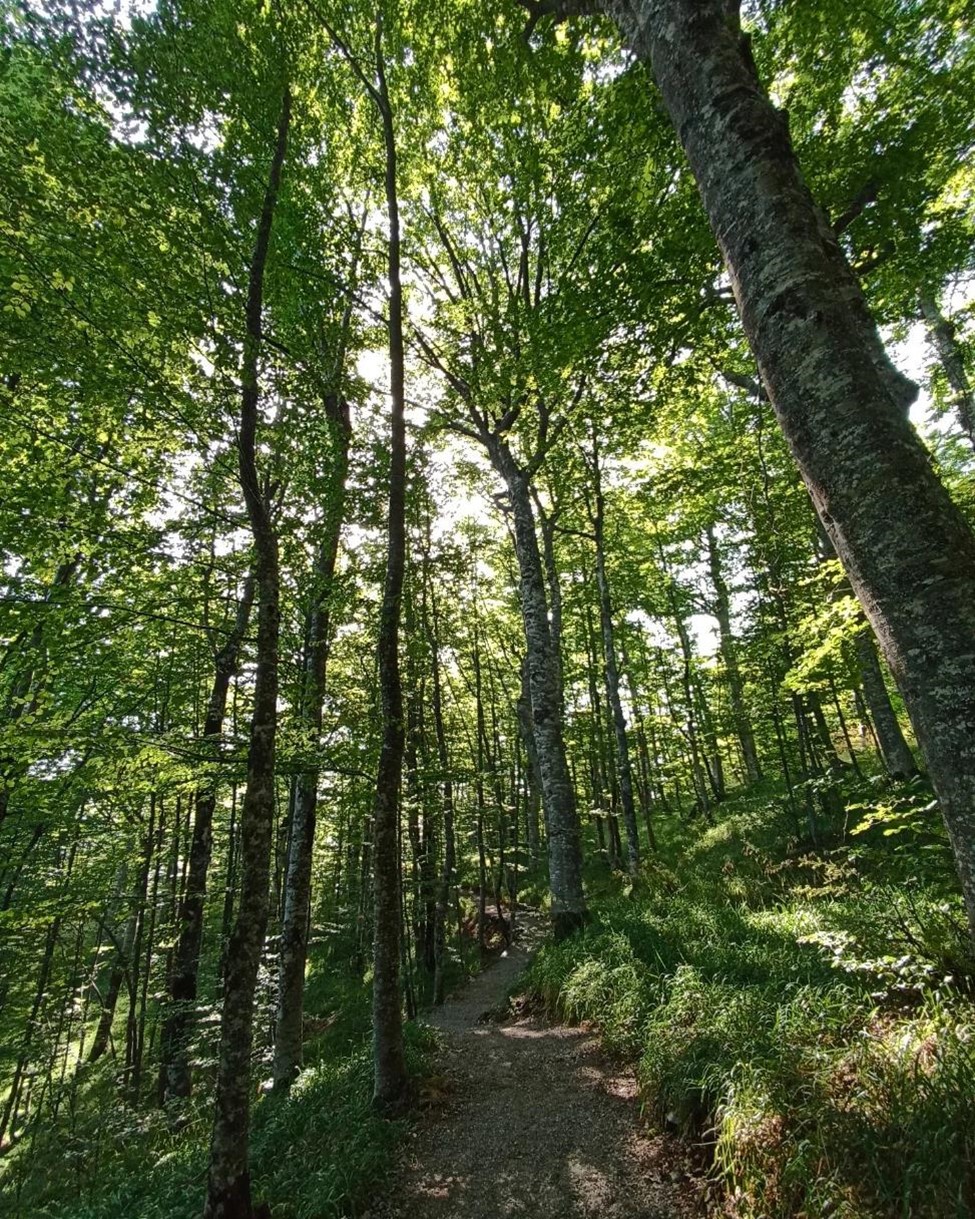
(621, 623)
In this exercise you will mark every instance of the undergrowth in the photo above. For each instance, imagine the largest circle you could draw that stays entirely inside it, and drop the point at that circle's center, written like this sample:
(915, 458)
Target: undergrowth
(804, 1016)
(315, 1154)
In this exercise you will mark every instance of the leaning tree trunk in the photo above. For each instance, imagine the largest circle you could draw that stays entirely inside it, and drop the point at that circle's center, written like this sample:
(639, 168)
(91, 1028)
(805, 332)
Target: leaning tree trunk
(297, 896)
(944, 340)
(894, 749)
(558, 796)
(906, 547)
(228, 1184)
(175, 1075)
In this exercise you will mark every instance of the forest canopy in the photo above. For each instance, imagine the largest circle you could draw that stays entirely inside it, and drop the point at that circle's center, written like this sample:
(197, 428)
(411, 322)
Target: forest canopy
(460, 459)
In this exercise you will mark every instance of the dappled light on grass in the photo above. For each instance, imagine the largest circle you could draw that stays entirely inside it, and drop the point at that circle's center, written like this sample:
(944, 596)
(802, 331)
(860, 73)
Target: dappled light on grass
(801, 1014)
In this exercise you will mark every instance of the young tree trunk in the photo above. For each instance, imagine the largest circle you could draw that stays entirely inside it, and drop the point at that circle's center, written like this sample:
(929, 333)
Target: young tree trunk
(120, 973)
(722, 611)
(941, 334)
(391, 1083)
(175, 1075)
(599, 784)
(447, 880)
(137, 1023)
(8, 1114)
(624, 772)
(479, 765)
(134, 970)
(894, 749)
(228, 1184)
(699, 770)
(905, 545)
(297, 894)
(558, 796)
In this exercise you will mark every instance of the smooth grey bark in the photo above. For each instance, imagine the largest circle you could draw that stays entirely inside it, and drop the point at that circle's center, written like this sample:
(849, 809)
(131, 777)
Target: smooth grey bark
(175, 1075)
(228, 1181)
(701, 775)
(722, 612)
(894, 749)
(624, 772)
(547, 522)
(905, 545)
(289, 1015)
(558, 795)
(533, 774)
(944, 340)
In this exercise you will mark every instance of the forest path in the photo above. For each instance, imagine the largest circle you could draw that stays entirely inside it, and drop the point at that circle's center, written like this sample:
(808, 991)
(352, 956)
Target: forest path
(529, 1120)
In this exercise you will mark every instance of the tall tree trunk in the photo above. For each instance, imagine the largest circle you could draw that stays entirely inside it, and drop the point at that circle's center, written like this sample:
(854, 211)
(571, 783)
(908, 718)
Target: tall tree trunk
(391, 1083)
(905, 545)
(624, 772)
(175, 1075)
(228, 1184)
(699, 770)
(120, 972)
(533, 774)
(558, 796)
(137, 1038)
(941, 334)
(894, 749)
(449, 865)
(134, 972)
(479, 766)
(722, 611)
(297, 896)
(547, 522)
(607, 834)
(8, 1114)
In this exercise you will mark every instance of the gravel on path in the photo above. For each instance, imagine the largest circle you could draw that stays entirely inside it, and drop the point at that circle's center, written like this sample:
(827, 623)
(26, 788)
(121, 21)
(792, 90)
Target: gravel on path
(529, 1120)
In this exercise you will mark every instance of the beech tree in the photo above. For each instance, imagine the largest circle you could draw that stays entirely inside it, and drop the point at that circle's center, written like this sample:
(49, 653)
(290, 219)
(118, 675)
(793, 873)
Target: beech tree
(839, 400)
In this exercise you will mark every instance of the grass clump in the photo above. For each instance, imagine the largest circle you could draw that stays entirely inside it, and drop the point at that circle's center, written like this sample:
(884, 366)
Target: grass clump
(805, 1016)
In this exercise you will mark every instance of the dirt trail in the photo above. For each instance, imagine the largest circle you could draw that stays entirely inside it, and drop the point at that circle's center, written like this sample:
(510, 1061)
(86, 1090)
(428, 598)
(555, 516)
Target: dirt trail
(527, 1120)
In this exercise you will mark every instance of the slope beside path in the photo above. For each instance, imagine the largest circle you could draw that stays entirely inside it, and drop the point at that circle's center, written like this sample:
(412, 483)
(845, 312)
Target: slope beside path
(530, 1120)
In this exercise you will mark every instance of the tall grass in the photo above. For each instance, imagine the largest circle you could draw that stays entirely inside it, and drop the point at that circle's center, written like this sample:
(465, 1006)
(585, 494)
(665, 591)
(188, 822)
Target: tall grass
(803, 1016)
(315, 1154)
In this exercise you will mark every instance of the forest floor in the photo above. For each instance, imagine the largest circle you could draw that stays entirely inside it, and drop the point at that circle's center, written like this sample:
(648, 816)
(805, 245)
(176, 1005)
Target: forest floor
(525, 1119)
